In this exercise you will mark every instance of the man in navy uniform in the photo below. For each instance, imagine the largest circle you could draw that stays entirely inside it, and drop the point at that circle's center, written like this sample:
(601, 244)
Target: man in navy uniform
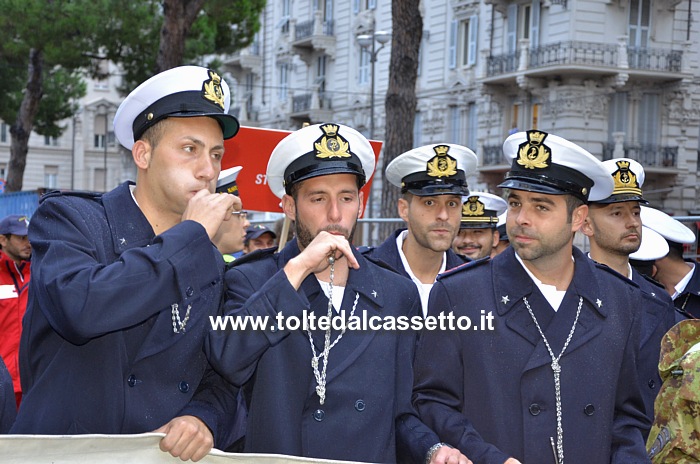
(323, 392)
(432, 179)
(123, 283)
(478, 235)
(557, 375)
(677, 275)
(230, 238)
(614, 229)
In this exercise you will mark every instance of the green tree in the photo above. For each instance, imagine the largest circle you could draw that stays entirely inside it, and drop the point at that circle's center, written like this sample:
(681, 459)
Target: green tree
(401, 100)
(47, 48)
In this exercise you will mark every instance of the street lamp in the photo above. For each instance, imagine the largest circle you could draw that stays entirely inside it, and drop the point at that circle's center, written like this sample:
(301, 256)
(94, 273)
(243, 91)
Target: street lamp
(368, 42)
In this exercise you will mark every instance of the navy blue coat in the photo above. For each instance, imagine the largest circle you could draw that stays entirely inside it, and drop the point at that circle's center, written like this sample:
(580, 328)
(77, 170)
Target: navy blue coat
(98, 353)
(689, 301)
(491, 392)
(8, 405)
(367, 412)
(658, 316)
(388, 254)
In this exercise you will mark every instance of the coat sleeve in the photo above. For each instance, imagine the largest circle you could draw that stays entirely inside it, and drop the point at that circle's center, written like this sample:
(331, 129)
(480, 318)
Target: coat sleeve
(629, 419)
(413, 437)
(438, 390)
(78, 282)
(234, 350)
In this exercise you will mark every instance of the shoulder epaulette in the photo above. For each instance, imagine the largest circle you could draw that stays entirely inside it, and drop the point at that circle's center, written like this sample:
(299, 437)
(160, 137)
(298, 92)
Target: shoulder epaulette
(253, 256)
(612, 271)
(463, 267)
(377, 261)
(72, 193)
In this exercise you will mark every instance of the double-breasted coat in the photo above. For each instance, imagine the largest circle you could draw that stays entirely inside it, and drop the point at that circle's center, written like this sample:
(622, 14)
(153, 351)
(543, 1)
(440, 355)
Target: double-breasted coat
(498, 398)
(388, 254)
(367, 412)
(98, 352)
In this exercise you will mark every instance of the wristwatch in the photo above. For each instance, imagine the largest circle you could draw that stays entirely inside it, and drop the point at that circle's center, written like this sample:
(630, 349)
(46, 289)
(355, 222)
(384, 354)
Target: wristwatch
(433, 449)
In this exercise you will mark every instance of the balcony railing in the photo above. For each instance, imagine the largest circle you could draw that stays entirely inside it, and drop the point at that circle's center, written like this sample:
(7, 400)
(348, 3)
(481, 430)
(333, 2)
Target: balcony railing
(305, 29)
(574, 53)
(502, 64)
(578, 53)
(302, 103)
(654, 59)
(493, 155)
(647, 154)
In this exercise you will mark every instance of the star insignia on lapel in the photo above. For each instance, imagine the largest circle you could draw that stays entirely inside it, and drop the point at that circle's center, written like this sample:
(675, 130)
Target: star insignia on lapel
(653, 294)
(598, 302)
(122, 241)
(505, 299)
(374, 293)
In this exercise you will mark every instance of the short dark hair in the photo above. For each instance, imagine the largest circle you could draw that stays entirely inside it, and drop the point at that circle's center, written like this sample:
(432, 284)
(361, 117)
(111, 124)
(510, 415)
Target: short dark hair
(572, 203)
(155, 133)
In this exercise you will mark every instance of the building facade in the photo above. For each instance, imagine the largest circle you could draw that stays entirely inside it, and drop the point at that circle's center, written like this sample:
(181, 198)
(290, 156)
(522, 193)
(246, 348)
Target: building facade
(618, 77)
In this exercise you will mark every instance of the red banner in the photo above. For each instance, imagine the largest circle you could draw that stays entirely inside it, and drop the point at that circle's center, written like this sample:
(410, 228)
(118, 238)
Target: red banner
(251, 148)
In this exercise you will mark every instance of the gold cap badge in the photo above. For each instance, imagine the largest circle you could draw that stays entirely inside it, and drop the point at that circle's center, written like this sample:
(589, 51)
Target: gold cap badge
(533, 153)
(332, 144)
(625, 179)
(473, 207)
(442, 164)
(212, 89)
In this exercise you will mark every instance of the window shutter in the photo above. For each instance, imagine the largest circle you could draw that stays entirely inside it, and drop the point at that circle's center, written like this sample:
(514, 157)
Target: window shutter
(453, 44)
(473, 36)
(535, 25)
(511, 35)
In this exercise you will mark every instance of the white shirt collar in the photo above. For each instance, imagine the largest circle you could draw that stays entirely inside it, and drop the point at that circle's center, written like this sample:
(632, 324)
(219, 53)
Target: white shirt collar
(423, 289)
(680, 286)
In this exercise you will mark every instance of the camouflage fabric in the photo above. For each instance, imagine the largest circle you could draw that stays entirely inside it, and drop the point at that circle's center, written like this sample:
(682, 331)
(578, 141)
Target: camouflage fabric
(675, 435)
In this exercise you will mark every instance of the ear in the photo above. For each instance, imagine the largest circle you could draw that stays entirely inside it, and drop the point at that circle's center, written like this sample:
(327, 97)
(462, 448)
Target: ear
(495, 238)
(578, 217)
(361, 208)
(587, 227)
(403, 208)
(289, 207)
(141, 152)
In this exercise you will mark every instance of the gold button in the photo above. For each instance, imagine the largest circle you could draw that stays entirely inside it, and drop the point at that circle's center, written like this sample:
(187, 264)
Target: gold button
(149, 116)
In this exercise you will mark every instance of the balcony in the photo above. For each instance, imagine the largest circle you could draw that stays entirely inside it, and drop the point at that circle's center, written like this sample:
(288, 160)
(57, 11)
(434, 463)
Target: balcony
(492, 157)
(245, 61)
(617, 61)
(312, 38)
(648, 155)
(313, 107)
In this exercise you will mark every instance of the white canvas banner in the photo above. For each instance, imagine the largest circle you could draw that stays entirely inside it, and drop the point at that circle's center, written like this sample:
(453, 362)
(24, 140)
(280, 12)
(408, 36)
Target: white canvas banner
(117, 449)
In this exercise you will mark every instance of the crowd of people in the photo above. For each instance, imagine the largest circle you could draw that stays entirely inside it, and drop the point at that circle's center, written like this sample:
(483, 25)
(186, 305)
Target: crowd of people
(117, 335)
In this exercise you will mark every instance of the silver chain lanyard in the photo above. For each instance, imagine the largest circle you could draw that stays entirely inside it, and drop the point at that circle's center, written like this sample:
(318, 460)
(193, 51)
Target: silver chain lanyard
(558, 450)
(327, 345)
(178, 325)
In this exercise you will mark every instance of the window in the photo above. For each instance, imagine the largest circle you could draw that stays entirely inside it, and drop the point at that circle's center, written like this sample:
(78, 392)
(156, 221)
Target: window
(249, 82)
(418, 129)
(283, 24)
(283, 80)
(3, 171)
(360, 5)
(50, 141)
(617, 117)
(3, 132)
(99, 180)
(640, 17)
(103, 72)
(365, 67)
(463, 42)
(648, 118)
(326, 7)
(51, 177)
(472, 125)
(99, 130)
(455, 125)
(321, 78)
(523, 22)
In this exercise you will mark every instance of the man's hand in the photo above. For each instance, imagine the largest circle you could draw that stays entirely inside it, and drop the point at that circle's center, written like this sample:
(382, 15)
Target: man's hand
(314, 258)
(211, 209)
(186, 437)
(512, 461)
(447, 455)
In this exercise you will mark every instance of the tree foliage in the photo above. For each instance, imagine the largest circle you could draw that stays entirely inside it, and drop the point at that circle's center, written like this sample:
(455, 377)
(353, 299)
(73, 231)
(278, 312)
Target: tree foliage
(48, 47)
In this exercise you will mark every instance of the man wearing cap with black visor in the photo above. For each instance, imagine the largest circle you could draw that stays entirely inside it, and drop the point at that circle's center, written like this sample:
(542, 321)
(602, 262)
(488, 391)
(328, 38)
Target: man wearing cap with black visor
(324, 392)
(555, 380)
(614, 229)
(123, 283)
(432, 179)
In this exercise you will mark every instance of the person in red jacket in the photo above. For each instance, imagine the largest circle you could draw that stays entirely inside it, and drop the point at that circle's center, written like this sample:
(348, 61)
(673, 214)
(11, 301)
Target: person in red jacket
(14, 285)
